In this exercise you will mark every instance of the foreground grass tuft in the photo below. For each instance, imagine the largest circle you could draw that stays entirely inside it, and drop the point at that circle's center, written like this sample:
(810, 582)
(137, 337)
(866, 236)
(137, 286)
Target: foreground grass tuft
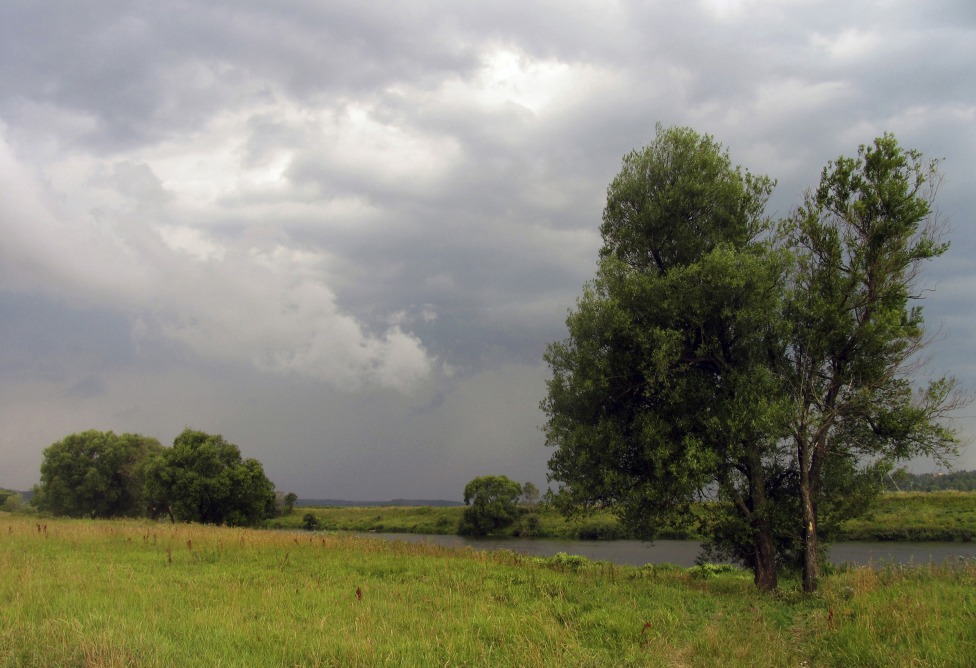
(78, 593)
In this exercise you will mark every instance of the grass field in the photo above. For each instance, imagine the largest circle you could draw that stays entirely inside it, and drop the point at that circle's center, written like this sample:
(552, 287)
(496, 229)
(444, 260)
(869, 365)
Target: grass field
(85, 593)
(918, 516)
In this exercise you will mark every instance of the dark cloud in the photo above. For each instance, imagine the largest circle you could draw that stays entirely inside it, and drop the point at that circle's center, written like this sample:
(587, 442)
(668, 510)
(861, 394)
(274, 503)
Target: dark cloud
(342, 234)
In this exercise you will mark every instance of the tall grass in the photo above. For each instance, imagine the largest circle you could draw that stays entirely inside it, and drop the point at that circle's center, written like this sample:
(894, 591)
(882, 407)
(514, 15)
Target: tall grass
(81, 593)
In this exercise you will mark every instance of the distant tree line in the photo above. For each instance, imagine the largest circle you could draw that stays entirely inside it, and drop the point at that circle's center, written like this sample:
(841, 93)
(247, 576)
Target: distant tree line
(201, 478)
(903, 481)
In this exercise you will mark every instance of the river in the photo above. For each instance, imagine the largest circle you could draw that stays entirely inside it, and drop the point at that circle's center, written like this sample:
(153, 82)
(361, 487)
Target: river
(684, 552)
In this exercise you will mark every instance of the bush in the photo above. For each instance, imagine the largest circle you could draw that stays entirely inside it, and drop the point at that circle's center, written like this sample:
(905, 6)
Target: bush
(13, 503)
(706, 571)
(597, 530)
(310, 522)
(528, 526)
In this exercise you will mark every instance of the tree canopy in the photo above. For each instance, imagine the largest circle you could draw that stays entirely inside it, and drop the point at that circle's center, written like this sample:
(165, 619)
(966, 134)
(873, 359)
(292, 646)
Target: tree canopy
(95, 474)
(698, 363)
(203, 478)
(492, 504)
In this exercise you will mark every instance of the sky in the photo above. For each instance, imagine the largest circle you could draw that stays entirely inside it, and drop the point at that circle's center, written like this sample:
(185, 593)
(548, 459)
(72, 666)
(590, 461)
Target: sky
(341, 234)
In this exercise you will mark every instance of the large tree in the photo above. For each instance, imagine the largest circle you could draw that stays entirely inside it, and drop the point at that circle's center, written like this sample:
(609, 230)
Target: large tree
(203, 478)
(95, 474)
(662, 393)
(678, 381)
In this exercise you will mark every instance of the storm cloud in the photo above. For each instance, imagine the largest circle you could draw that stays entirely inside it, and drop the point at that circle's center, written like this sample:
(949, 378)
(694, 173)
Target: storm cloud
(342, 234)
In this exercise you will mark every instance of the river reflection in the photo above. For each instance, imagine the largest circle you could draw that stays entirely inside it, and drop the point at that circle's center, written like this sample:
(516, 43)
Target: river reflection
(684, 552)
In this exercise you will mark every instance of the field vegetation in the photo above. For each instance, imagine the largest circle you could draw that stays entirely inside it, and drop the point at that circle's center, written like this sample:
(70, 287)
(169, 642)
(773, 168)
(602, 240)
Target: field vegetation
(133, 592)
(917, 516)
(914, 516)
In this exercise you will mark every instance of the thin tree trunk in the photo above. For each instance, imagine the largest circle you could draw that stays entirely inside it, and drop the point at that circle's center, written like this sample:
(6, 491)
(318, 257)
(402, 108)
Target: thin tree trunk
(811, 567)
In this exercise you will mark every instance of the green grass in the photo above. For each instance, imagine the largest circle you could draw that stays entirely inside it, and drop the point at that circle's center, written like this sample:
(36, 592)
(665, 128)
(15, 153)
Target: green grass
(85, 593)
(916, 516)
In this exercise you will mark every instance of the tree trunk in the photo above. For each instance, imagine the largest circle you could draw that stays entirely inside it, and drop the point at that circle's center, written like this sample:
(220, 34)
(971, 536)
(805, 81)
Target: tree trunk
(764, 567)
(764, 549)
(811, 567)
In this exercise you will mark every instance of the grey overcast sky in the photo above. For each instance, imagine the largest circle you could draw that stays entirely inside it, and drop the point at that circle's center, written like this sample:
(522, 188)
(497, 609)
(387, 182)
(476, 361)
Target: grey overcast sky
(341, 233)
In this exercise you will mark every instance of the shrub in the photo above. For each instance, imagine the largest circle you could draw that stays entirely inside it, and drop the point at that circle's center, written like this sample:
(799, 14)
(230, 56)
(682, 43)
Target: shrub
(310, 522)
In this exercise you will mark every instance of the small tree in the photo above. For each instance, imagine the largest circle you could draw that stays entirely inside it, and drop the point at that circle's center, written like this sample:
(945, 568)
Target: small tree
(290, 499)
(492, 504)
(530, 495)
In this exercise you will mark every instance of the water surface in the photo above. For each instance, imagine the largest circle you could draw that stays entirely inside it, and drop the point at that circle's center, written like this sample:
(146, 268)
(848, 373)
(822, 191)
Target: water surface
(684, 552)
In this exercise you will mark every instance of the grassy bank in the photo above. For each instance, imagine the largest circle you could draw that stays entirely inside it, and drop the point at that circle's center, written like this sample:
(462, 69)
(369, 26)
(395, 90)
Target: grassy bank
(919, 516)
(79, 593)
(916, 516)
(540, 522)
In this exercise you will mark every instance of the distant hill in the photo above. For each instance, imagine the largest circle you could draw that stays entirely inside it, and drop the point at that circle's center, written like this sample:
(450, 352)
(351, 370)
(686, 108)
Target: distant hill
(394, 502)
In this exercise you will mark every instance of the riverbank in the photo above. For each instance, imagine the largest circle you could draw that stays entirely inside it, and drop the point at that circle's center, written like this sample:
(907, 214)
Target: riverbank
(907, 516)
(117, 593)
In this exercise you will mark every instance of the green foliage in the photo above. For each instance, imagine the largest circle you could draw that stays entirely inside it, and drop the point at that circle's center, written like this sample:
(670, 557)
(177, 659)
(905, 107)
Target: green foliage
(10, 501)
(530, 495)
(706, 570)
(95, 474)
(289, 502)
(600, 530)
(492, 505)
(859, 240)
(528, 525)
(716, 355)
(203, 478)
(663, 388)
(310, 522)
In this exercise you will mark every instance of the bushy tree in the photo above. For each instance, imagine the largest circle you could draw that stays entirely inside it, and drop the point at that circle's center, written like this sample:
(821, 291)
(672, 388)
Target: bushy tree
(719, 356)
(95, 474)
(492, 505)
(203, 478)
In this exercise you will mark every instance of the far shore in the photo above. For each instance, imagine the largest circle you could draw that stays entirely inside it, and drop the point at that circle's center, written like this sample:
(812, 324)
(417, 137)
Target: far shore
(896, 516)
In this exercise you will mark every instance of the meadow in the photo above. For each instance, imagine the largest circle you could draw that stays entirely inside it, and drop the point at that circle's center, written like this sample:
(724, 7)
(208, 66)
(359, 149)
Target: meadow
(909, 516)
(131, 593)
